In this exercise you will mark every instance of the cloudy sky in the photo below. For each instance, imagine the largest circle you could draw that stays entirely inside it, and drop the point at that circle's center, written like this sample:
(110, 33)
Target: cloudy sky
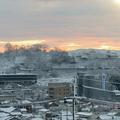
(67, 24)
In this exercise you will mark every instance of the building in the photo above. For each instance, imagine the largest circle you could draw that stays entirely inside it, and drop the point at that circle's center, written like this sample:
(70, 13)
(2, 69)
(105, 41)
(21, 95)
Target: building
(7, 97)
(59, 90)
(18, 79)
(96, 87)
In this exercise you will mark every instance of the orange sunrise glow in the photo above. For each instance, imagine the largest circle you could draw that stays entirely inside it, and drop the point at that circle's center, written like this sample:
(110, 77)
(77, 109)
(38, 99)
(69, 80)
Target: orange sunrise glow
(68, 45)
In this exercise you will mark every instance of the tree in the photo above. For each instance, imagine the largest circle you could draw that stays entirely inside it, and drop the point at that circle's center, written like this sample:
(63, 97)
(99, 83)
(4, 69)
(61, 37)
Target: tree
(39, 47)
(58, 57)
(9, 47)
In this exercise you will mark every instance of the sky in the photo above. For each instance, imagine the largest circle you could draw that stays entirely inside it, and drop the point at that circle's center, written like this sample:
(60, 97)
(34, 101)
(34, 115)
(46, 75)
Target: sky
(66, 24)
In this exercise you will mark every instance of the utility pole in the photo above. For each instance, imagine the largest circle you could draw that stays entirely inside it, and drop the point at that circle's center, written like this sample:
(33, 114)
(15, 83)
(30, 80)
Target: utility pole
(66, 112)
(74, 92)
(73, 108)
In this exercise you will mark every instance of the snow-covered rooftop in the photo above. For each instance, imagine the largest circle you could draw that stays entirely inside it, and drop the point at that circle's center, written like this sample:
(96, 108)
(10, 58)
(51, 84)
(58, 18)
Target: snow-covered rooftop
(7, 110)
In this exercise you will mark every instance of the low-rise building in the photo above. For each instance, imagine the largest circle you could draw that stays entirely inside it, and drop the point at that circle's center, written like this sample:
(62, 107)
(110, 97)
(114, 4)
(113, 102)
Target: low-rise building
(59, 90)
(97, 86)
(18, 79)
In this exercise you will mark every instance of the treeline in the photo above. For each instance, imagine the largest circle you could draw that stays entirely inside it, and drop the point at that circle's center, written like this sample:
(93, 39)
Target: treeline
(40, 50)
(38, 56)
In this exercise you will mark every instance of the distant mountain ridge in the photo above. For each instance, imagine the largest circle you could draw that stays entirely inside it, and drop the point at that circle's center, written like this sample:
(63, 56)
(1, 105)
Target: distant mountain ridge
(98, 52)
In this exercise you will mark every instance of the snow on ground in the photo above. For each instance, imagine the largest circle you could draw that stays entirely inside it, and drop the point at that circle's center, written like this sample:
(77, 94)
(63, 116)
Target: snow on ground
(7, 110)
(37, 119)
(105, 117)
